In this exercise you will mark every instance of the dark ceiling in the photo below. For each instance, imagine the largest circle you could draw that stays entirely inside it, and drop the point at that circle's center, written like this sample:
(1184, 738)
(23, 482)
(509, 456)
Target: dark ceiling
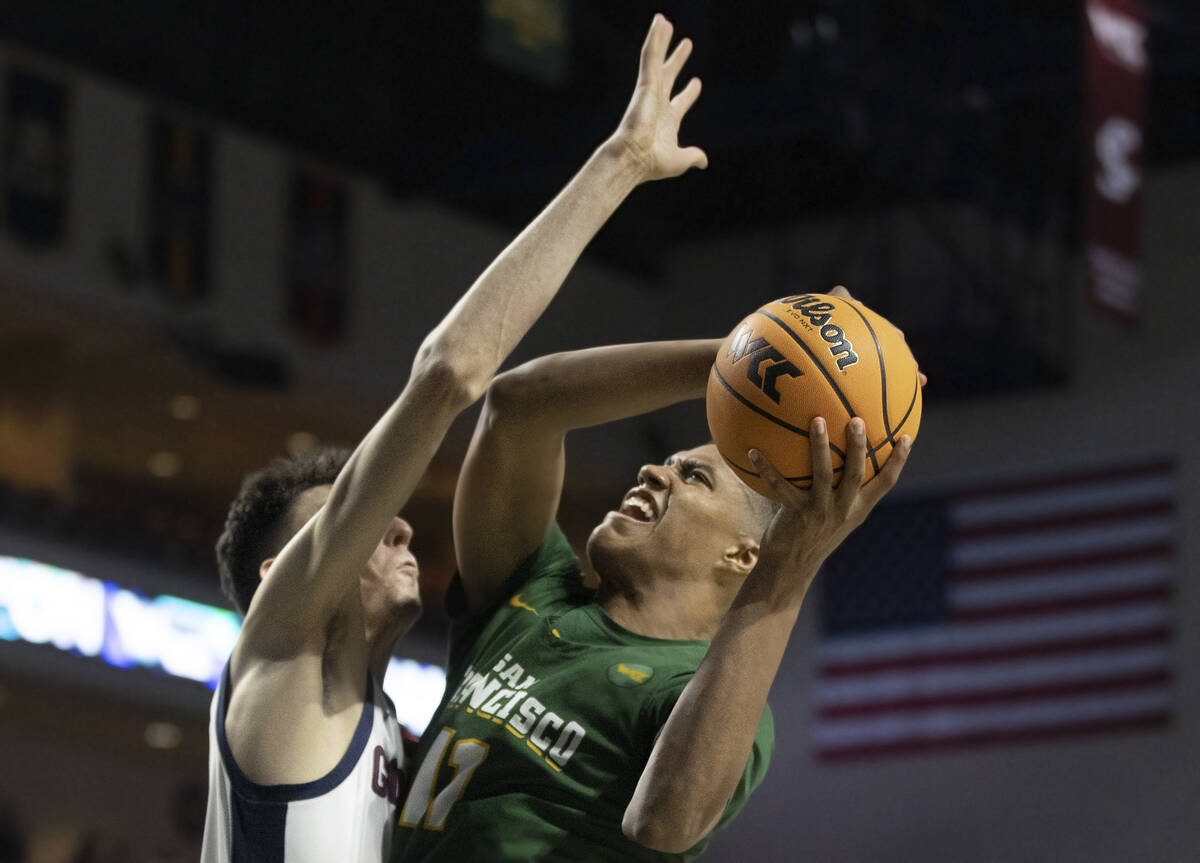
(809, 108)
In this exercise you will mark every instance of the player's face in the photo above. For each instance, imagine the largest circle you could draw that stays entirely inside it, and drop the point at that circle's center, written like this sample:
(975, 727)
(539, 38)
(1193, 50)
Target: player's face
(681, 517)
(391, 584)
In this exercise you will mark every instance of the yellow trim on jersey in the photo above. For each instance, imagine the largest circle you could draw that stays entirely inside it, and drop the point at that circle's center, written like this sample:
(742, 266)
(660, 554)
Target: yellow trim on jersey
(436, 770)
(466, 779)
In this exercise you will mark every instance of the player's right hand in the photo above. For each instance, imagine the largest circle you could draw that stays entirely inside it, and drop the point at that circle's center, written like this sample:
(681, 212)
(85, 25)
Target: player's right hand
(814, 521)
(649, 131)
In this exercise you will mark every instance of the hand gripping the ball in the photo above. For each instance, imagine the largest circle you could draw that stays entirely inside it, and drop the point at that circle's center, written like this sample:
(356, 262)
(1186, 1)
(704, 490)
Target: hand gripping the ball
(649, 131)
(813, 522)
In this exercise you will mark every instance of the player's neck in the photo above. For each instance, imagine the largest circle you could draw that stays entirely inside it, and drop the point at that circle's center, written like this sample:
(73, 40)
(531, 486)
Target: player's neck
(379, 657)
(381, 644)
(671, 610)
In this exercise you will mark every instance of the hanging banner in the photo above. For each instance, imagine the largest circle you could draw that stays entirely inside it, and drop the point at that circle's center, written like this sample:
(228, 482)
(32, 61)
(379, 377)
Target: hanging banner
(180, 208)
(35, 159)
(317, 265)
(1115, 87)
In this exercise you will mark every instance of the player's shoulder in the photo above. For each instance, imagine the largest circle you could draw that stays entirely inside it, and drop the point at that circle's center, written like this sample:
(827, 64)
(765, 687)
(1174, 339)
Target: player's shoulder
(548, 582)
(663, 684)
(555, 558)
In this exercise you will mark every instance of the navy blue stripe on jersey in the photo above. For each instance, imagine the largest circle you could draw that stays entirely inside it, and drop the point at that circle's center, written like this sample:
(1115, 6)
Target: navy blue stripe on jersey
(258, 830)
(250, 790)
(391, 705)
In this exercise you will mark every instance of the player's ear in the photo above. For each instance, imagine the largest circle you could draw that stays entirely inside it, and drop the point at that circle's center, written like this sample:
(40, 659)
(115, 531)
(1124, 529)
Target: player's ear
(742, 555)
(264, 566)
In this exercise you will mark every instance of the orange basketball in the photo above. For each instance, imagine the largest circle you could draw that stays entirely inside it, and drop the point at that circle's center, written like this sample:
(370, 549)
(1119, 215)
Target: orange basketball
(807, 356)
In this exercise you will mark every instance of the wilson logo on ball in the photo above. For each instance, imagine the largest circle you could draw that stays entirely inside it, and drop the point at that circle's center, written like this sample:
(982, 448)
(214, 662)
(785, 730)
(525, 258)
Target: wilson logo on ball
(761, 352)
(817, 311)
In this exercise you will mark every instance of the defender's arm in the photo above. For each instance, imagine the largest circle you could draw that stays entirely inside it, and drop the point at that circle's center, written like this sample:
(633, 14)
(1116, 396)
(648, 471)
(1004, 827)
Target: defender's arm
(318, 570)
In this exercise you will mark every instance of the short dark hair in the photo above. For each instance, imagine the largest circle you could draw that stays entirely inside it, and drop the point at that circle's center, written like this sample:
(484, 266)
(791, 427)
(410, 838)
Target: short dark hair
(253, 526)
(762, 509)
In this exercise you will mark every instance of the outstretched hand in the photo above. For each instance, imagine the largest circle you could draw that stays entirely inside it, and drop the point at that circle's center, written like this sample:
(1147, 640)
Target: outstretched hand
(649, 131)
(814, 521)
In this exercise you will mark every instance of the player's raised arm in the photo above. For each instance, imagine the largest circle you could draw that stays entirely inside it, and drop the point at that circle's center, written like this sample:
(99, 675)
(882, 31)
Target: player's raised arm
(679, 798)
(314, 573)
(509, 487)
(518, 443)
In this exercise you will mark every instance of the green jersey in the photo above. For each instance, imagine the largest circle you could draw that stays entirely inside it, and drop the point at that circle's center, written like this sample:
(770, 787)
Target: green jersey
(550, 712)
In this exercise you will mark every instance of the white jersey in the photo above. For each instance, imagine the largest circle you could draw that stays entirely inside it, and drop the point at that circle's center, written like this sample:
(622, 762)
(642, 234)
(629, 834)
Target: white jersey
(346, 816)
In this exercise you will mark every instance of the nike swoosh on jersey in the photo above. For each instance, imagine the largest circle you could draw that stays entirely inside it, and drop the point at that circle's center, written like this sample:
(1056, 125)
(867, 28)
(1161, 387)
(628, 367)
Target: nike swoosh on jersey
(516, 602)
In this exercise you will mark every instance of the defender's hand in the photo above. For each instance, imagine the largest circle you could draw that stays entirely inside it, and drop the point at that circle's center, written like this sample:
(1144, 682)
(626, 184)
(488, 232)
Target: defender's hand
(814, 521)
(649, 131)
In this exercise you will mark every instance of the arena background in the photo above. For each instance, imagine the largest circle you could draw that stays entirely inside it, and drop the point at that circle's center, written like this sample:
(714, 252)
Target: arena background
(224, 230)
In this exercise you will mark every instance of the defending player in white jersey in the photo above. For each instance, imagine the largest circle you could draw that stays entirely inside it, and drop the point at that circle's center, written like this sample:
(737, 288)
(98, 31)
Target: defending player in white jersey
(306, 755)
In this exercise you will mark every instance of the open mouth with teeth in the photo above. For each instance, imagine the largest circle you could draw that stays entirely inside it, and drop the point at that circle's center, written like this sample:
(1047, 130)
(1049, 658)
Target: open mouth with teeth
(639, 506)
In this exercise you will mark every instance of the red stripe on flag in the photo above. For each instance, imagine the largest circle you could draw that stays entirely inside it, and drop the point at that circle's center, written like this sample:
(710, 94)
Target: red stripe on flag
(1155, 550)
(1012, 694)
(1049, 647)
(1056, 482)
(1074, 603)
(1156, 720)
(1047, 524)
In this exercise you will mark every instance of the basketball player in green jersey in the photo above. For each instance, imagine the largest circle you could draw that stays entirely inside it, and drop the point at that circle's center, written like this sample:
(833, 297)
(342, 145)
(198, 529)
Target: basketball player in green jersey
(628, 722)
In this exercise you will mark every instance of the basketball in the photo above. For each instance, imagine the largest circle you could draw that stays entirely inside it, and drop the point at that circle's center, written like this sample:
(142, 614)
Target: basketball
(802, 357)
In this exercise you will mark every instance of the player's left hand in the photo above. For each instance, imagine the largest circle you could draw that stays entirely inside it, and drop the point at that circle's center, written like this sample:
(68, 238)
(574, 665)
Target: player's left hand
(814, 521)
(649, 131)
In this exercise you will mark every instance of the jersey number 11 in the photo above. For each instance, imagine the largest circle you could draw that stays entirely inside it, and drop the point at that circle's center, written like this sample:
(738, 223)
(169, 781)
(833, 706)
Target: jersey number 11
(465, 757)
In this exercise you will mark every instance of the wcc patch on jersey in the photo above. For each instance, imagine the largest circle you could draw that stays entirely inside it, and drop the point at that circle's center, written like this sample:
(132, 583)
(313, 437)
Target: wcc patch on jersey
(629, 674)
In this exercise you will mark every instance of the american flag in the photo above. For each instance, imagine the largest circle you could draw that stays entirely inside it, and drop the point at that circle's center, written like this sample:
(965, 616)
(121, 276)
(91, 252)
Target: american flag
(1025, 610)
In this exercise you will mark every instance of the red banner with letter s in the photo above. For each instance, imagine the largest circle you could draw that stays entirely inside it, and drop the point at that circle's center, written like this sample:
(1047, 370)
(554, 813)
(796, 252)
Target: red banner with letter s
(1115, 85)
(317, 266)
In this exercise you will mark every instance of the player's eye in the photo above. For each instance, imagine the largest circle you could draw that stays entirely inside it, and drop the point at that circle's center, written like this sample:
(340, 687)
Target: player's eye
(692, 473)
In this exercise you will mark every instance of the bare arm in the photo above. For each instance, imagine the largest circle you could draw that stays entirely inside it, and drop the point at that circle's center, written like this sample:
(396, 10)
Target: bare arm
(680, 798)
(318, 570)
(512, 477)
